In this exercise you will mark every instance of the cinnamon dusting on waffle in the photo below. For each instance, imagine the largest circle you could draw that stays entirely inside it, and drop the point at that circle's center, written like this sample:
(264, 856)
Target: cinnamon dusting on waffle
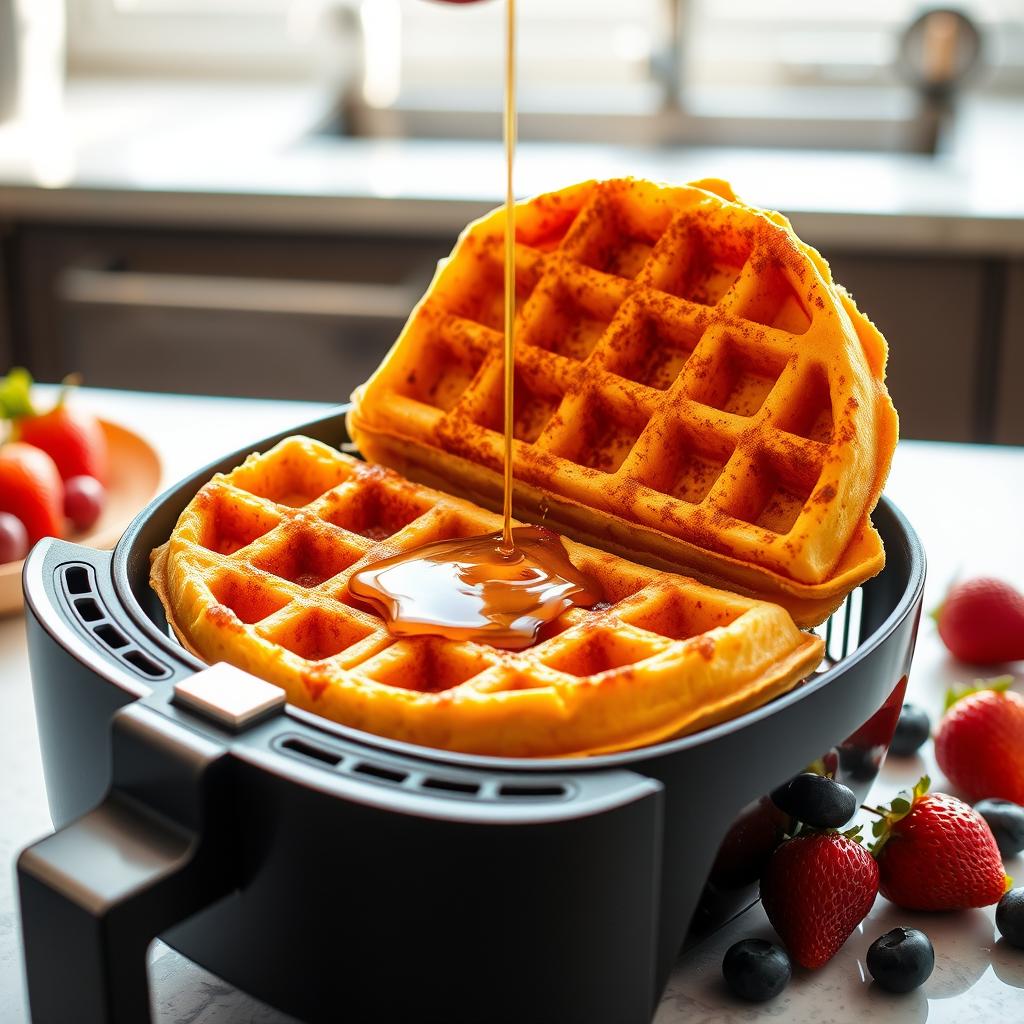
(659, 654)
(676, 347)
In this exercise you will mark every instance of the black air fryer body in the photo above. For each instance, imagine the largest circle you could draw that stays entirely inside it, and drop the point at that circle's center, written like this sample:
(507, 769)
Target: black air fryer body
(342, 876)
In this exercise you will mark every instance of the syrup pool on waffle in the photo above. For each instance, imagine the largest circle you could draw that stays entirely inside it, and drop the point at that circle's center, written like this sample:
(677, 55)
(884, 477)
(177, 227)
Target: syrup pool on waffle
(475, 589)
(499, 588)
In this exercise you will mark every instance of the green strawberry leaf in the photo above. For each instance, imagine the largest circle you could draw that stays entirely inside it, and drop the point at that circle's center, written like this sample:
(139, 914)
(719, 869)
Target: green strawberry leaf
(961, 690)
(16, 394)
(898, 809)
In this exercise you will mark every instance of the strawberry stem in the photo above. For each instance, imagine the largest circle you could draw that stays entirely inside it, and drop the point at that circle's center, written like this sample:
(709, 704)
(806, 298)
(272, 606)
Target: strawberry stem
(957, 693)
(68, 384)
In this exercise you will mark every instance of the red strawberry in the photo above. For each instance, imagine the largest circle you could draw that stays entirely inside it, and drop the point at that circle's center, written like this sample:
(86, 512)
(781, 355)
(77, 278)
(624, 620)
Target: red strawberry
(72, 437)
(935, 852)
(748, 844)
(982, 621)
(816, 889)
(31, 490)
(980, 742)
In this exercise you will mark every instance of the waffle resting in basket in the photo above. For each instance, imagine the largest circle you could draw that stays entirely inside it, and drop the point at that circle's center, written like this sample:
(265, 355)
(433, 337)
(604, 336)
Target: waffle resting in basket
(692, 389)
(256, 573)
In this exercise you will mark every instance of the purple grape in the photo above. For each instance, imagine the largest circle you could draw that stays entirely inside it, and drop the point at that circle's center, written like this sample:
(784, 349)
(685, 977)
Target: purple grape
(13, 538)
(84, 498)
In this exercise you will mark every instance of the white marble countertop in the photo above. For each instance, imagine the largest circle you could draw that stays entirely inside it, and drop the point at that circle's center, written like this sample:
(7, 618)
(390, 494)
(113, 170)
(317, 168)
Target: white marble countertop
(965, 502)
(204, 153)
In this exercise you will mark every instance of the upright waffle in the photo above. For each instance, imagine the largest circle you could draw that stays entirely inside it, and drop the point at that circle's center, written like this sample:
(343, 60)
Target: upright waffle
(692, 390)
(256, 573)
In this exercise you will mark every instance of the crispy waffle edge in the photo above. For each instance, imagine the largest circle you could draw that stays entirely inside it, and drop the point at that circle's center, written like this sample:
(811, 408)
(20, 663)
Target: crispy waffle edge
(561, 715)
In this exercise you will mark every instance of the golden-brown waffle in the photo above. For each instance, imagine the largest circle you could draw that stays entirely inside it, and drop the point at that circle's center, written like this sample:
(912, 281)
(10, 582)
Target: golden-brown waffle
(256, 573)
(692, 391)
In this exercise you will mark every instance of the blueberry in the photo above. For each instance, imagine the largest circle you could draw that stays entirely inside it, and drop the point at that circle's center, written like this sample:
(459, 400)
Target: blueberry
(912, 729)
(1006, 819)
(816, 800)
(756, 970)
(860, 763)
(1009, 917)
(901, 960)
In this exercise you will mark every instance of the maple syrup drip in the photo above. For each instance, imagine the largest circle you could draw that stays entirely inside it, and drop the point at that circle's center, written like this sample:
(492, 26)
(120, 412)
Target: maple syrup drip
(510, 262)
(499, 588)
(469, 588)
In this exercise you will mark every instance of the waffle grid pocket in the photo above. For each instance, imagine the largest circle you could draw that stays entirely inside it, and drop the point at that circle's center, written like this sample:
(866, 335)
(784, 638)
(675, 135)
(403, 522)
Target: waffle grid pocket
(279, 605)
(654, 316)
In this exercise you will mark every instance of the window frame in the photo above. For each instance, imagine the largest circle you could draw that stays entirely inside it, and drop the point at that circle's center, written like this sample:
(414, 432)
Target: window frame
(104, 37)
(151, 37)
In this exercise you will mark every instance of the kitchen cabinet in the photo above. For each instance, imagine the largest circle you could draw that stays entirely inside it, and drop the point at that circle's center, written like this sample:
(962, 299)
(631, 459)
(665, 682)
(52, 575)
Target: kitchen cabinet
(1010, 404)
(931, 312)
(227, 314)
(6, 351)
(308, 316)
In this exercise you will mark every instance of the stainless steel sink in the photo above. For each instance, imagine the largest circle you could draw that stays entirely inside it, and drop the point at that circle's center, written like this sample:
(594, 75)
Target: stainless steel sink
(883, 120)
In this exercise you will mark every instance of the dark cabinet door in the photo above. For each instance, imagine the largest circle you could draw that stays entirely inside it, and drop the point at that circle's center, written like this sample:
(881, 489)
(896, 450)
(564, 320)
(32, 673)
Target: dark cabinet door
(1010, 417)
(280, 316)
(6, 312)
(264, 316)
(930, 311)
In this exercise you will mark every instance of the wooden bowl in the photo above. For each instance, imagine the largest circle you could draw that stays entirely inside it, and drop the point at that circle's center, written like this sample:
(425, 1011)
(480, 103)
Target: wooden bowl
(134, 479)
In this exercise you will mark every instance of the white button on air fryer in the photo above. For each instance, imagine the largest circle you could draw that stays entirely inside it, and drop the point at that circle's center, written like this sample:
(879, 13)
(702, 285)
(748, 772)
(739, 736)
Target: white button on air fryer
(228, 695)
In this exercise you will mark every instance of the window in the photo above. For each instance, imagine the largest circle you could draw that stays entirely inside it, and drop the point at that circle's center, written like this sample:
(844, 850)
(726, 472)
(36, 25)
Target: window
(411, 66)
(214, 37)
(801, 42)
(565, 46)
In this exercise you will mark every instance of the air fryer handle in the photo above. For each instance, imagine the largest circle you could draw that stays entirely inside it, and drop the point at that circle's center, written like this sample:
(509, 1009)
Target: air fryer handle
(152, 853)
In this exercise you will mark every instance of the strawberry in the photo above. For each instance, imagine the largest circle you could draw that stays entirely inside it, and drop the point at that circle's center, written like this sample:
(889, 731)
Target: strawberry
(982, 621)
(72, 437)
(816, 889)
(31, 490)
(935, 852)
(980, 741)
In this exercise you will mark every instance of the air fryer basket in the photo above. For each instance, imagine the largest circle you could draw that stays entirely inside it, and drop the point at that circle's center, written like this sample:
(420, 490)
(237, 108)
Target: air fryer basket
(330, 872)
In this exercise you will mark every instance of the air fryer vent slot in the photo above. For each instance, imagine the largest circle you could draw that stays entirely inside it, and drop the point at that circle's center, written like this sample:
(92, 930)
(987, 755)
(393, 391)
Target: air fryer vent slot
(414, 778)
(85, 602)
(527, 789)
(76, 578)
(145, 664)
(88, 610)
(111, 636)
(377, 771)
(304, 749)
(451, 786)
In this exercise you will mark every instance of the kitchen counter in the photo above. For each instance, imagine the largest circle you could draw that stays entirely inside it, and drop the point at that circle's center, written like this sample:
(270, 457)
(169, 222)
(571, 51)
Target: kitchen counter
(965, 502)
(244, 155)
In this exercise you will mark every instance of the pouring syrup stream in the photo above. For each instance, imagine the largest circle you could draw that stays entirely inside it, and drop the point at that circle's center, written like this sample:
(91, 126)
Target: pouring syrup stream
(507, 544)
(498, 588)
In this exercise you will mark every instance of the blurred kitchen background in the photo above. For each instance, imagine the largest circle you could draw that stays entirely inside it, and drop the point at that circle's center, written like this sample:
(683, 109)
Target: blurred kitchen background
(245, 197)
